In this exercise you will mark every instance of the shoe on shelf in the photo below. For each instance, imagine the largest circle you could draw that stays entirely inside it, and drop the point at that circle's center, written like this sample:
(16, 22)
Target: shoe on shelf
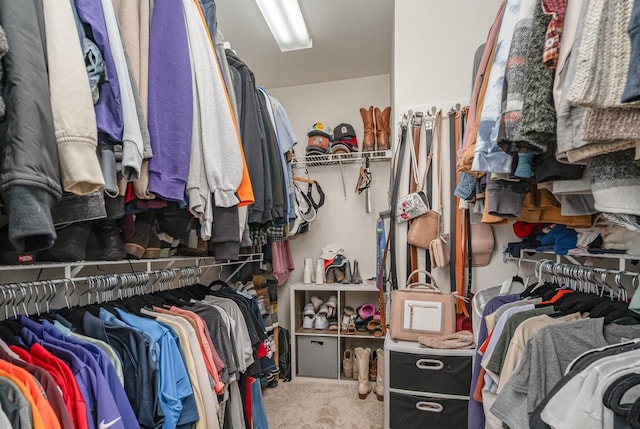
(308, 316)
(321, 321)
(347, 363)
(317, 302)
(332, 303)
(348, 317)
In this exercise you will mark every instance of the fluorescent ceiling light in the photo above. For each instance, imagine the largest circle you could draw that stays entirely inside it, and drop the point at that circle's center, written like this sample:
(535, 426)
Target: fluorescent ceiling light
(285, 21)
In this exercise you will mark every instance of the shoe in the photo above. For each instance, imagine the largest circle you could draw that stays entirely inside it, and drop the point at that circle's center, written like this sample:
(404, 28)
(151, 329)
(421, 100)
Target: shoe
(70, 246)
(369, 138)
(332, 303)
(317, 302)
(153, 246)
(308, 271)
(373, 367)
(166, 244)
(319, 275)
(308, 316)
(321, 321)
(348, 317)
(137, 244)
(347, 273)
(261, 306)
(105, 241)
(330, 276)
(382, 128)
(347, 363)
(379, 387)
(355, 275)
(362, 362)
(338, 274)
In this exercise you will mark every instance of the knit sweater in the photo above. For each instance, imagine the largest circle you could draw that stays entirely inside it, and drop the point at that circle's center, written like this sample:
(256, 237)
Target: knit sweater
(488, 156)
(509, 136)
(538, 111)
(71, 102)
(603, 56)
(615, 182)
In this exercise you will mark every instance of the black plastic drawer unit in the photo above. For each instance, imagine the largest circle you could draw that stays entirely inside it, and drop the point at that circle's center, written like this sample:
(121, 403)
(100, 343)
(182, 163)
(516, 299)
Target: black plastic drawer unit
(449, 375)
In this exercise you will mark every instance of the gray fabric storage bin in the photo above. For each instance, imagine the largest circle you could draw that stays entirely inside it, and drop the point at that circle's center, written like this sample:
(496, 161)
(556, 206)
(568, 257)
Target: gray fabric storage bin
(317, 357)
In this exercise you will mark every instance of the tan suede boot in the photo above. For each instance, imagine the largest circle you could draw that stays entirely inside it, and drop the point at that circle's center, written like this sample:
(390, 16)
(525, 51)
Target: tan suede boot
(379, 387)
(362, 360)
(383, 129)
(369, 139)
(347, 364)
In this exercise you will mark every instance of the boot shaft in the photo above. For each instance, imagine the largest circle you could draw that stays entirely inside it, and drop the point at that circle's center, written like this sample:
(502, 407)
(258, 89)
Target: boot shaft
(383, 129)
(369, 138)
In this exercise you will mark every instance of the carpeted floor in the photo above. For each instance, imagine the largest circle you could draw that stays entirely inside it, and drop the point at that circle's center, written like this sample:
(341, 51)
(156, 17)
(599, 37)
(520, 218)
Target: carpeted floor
(316, 405)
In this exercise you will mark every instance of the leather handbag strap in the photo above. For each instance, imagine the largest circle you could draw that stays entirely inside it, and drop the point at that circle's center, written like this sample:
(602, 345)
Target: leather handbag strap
(420, 271)
(416, 125)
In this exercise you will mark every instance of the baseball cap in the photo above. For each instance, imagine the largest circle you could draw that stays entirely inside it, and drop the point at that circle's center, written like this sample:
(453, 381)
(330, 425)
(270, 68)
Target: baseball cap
(343, 130)
(345, 145)
(320, 129)
(318, 145)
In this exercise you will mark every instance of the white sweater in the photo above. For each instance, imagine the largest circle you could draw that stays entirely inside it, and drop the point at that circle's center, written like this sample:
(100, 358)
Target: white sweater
(216, 161)
(73, 115)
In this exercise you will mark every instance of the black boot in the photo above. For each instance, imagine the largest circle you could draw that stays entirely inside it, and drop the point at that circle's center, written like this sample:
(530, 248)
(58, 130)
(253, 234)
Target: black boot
(71, 244)
(137, 244)
(105, 241)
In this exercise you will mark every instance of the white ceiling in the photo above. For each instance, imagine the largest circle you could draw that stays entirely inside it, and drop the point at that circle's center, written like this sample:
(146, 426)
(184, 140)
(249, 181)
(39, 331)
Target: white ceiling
(351, 38)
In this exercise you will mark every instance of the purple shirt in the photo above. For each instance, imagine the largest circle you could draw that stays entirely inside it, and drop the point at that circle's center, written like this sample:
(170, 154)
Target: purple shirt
(106, 367)
(89, 378)
(109, 106)
(170, 101)
(476, 412)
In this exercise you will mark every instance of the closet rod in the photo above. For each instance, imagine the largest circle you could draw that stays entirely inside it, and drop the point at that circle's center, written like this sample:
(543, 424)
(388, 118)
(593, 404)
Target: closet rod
(581, 272)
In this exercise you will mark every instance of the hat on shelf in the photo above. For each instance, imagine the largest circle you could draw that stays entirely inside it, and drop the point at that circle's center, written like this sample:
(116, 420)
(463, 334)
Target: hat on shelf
(318, 145)
(320, 129)
(345, 140)
(343, 130)
(330, 251)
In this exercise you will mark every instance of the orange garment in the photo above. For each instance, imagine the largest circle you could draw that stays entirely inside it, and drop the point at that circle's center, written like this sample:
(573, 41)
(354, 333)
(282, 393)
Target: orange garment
(48, 416)
(38, 421)
(211, 370)
(483, 348)
(206, 345)
(245, 190)
(540, 206)
(477, 391)
(557, 296)
(467, 158)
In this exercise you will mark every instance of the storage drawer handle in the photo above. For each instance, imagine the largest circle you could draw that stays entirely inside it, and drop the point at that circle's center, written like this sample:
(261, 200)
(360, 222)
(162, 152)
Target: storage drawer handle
(317, 343)
(431, 364)
(432, 407)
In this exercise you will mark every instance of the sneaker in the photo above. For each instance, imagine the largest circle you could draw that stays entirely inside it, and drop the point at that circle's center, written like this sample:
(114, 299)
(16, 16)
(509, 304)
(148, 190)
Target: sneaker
(321, 321)
(308, 316)
(268, 322)
(260, 302)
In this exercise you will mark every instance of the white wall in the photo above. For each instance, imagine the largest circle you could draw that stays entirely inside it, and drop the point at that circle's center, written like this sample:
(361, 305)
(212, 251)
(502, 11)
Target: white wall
(434, 47)
(342, 219)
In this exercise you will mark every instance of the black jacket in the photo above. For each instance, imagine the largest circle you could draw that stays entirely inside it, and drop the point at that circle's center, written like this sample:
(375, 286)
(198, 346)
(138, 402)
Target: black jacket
(29, 175)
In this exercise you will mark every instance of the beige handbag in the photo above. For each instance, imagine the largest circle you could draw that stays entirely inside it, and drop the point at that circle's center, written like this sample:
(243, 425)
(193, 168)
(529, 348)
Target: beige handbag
(421, 309)
(440, 251)
(482, 243)
(426, 228)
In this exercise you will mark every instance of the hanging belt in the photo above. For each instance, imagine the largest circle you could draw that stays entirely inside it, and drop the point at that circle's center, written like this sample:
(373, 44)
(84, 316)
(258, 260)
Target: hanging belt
(416, 123)
(393, 224)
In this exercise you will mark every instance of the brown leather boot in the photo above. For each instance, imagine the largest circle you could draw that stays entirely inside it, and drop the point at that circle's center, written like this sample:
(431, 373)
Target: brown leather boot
(382, 128)
(369, 139)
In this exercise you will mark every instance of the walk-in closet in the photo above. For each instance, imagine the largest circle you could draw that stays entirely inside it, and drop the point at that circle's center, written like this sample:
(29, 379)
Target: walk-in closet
(285, 214)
